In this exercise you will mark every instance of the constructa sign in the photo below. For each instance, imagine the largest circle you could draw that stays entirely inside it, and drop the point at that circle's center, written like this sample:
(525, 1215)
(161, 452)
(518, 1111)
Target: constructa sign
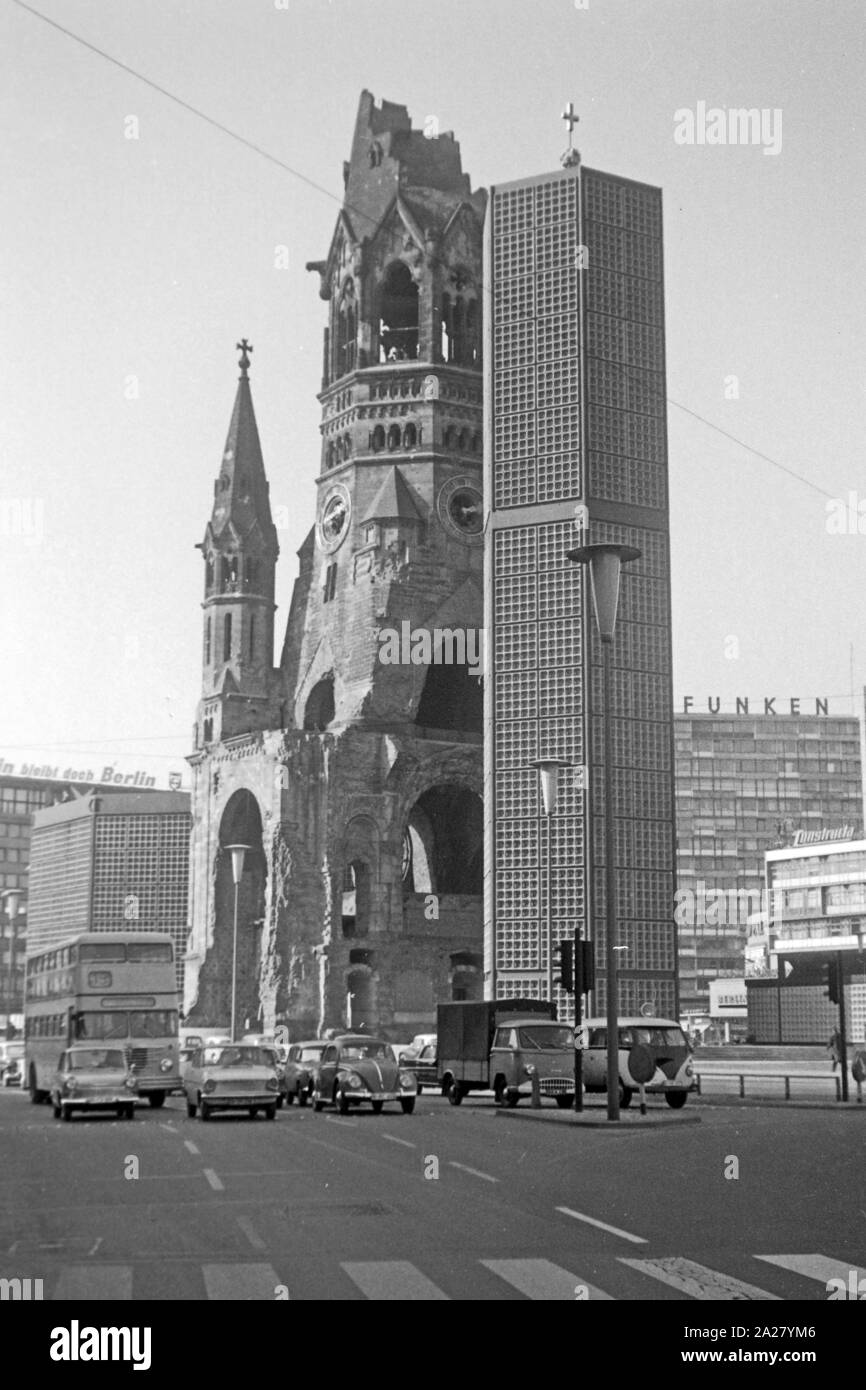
(821, 837)
(765, 704)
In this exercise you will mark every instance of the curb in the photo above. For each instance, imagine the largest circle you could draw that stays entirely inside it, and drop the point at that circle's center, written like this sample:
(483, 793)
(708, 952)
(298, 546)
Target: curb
(631, 1122)
(772, 1103)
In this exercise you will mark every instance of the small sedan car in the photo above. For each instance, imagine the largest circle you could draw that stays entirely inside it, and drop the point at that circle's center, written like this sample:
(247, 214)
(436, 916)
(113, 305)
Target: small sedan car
(424, 1067)
(301, 1066)
(93, 1078)
(231, 1076)
(355, 1069)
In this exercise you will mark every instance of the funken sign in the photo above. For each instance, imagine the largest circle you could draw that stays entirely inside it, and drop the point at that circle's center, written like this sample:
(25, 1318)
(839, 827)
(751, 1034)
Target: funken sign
(765, 704)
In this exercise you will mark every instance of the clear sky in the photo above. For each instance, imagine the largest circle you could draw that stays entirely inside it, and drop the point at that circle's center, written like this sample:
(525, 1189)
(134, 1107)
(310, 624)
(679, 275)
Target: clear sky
(131, 266)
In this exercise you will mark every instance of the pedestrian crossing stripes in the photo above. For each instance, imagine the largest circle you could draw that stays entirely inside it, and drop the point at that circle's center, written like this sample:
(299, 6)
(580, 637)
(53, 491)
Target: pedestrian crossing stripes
(544, 1282)
(535, 1279)
(697, 1281)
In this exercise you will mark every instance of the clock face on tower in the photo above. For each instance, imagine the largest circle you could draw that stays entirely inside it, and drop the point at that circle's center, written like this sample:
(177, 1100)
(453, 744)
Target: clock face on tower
(334, 514)
(461, 509)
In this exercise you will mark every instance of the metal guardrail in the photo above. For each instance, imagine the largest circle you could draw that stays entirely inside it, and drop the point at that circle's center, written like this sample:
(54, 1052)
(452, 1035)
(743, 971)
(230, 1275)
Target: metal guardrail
(767, 1076)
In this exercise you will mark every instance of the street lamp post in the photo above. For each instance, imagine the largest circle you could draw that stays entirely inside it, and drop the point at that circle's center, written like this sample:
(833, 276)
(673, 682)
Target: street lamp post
(549, 769)
(605, 564)
(237, 853)
(12, 902)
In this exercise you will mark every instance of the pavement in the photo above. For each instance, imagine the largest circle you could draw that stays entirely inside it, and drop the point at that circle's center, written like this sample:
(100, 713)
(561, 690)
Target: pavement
(450, 1203)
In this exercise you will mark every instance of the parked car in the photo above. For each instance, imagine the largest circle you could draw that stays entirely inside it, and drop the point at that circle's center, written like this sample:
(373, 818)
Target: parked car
(422, 1064)
(93, 1078)
(231, 1076)
(357, 1069)
(12, 1063)
(301, 1067)
(667, 1045)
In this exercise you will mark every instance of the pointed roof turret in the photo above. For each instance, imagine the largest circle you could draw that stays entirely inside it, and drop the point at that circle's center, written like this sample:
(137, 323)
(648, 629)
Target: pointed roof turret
(241, 491)
(394, 500)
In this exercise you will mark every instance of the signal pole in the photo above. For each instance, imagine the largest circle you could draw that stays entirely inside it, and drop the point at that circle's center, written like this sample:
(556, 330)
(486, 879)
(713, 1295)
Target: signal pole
(843, 1045)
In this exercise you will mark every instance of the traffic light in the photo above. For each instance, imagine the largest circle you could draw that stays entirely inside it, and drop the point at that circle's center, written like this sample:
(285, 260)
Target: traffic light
(830, 979)
(585, 967)
(564, 954)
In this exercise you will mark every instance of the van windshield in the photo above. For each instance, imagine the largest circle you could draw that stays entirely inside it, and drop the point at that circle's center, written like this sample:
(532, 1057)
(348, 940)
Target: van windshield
(545, 1035)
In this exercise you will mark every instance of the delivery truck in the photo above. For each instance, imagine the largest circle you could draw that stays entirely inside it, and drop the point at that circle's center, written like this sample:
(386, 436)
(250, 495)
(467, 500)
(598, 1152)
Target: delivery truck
(505, 1046)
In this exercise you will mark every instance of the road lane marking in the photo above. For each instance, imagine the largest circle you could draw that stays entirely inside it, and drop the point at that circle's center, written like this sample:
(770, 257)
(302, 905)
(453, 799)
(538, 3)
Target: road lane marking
(393, 1280)
(474, 1171)
(543, 1281)
(251, 1233)
(171, 1128)
(95, 1246)
(95, 1283)
(188, 1144)
(347, 1124)
(407, 1143)
(818, 1267)
(697, 1281)
(214, 1180)
(602, 1225)
(239, 1282)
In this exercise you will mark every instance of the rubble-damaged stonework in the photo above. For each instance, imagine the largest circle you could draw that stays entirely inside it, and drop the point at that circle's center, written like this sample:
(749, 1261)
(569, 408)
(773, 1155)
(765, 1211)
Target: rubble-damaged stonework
(357, 784)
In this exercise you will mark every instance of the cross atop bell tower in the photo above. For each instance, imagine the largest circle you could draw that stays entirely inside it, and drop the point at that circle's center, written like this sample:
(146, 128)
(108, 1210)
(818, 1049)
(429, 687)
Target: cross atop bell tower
(570, 159)
(244, 348)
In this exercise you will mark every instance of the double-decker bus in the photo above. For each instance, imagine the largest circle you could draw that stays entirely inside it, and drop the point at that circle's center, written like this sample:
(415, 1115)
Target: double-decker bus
(117, 987)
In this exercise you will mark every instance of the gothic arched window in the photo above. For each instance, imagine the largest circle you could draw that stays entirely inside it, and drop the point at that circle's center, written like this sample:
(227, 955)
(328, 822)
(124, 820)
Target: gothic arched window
(207, 643)
(460, 323)
(346, 335)
(394, 437)
(378, 439)
(410, 437)
(398, 315)
(227, 637)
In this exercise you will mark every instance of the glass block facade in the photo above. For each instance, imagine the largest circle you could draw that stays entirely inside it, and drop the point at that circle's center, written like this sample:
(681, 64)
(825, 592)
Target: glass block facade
(103, 862)
(575, 431)
(745, 784)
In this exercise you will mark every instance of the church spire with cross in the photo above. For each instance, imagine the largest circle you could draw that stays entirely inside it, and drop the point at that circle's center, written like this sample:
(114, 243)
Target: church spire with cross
(240, 550)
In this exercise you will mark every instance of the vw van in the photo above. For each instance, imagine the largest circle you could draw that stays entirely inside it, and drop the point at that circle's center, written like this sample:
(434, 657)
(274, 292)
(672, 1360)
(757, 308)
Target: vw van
(667, 1044)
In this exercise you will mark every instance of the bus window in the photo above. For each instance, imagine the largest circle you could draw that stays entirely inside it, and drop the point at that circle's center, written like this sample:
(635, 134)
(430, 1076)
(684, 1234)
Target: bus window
(99, 950)
(153, 1023)
(92, 1026)
(150, 951)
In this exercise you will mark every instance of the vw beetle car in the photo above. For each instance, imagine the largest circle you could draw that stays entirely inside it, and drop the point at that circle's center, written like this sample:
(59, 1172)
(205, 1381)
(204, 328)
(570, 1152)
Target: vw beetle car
(93, 1078)
(356, 1069)
(302, 1064)
(662, 1038)
(231, 1076)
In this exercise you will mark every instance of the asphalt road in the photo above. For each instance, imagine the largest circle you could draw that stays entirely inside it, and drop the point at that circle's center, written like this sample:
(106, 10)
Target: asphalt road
(465, 1203)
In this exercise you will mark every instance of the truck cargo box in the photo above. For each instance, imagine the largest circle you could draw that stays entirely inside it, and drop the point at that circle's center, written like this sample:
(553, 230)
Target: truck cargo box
(465, 1029)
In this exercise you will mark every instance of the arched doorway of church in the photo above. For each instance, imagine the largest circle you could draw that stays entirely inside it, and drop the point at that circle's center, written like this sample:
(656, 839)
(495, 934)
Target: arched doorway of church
(360, 1003)
(241, 824)
(443, 844)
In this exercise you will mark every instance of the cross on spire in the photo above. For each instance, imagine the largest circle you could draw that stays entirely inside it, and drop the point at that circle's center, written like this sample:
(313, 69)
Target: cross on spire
(571, 157)
(244, 348)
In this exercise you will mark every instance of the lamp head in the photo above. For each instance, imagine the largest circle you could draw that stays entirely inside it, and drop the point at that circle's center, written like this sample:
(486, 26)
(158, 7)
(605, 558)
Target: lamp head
(605, 563)
(549, 769)
(237, 853)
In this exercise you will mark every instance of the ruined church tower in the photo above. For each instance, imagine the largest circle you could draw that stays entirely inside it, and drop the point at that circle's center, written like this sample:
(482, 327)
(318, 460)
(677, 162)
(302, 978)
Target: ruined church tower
(353, 769)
